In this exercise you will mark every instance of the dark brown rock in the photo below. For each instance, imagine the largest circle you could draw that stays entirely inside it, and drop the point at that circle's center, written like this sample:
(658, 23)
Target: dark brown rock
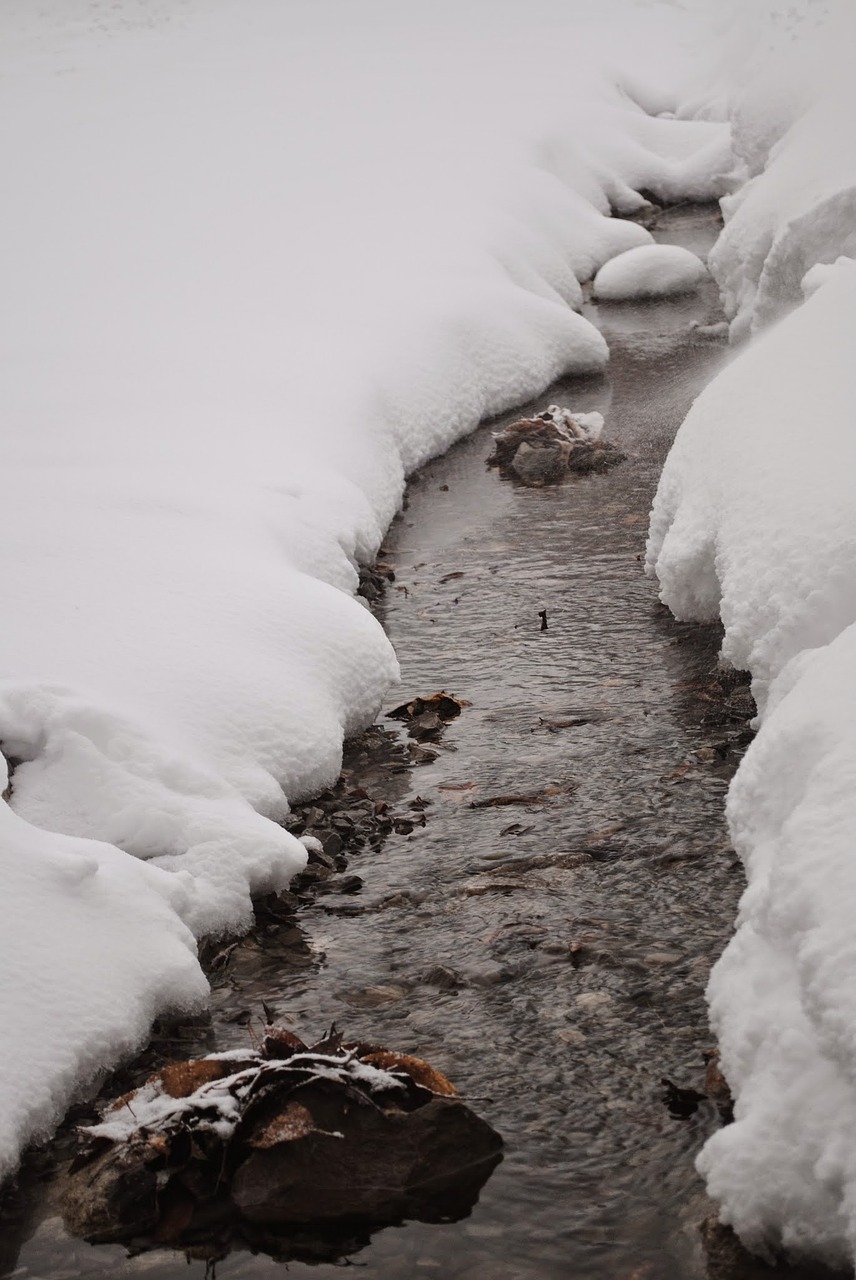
(385, 1166)
(114, 1196)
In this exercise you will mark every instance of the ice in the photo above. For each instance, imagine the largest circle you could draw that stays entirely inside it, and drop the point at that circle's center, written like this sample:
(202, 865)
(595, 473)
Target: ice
(650, 271)
(260, 262)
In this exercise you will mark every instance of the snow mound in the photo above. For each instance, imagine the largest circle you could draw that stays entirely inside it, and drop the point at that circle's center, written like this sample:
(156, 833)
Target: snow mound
(755, 521)
(93, 950)
(788, 87)
(650, 271)
(783, 995)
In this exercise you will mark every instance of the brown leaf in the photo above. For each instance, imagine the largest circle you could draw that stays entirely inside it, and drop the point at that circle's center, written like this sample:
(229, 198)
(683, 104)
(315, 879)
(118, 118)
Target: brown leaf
(293, 1122)
(420, 1072)
(180, 1079)
(449, 577)
(279, 1042)
(528, 797)
(441, 704)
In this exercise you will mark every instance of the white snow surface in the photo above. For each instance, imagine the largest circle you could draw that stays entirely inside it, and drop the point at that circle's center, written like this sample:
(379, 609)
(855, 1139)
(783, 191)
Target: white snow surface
(260, 261)
(649, 271)
(785, 78)
(755, 522)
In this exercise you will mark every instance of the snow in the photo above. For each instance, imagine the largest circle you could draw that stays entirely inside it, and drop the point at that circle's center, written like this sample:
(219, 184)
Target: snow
(790, 92)
(260, 262)
(93, 950)
(755, 522)
(649, 271)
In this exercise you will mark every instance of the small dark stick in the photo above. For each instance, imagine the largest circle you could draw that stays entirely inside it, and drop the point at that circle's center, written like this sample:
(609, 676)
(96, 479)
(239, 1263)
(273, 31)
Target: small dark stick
(543, 616)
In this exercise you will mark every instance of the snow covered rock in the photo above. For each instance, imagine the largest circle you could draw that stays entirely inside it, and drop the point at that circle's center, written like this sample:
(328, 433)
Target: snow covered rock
(543, 449)
(650, 271)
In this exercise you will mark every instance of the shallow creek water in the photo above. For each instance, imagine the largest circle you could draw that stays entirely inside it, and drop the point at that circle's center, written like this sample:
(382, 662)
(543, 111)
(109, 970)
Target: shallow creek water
(576, 931)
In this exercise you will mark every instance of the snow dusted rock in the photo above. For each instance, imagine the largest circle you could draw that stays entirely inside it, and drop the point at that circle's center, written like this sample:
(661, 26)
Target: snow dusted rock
(543, 449)
(536, 466)
(651, 271)
(288, 1134)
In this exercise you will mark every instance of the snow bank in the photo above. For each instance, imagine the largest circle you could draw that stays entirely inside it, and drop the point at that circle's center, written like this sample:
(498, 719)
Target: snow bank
(755, 522)
(93, 950)
(260, 262)
(650, 271)
(786, 82)
(783, 995)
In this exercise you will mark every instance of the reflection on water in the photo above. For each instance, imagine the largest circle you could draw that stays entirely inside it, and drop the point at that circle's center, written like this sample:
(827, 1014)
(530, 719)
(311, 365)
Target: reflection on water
(549, 956)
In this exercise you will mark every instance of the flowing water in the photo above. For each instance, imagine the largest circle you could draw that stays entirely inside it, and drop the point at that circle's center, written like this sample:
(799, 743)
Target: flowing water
(549, 955)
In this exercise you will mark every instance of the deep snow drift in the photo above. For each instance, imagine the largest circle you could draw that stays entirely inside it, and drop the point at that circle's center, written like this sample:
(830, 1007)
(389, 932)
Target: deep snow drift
(755, 521)
(260, 261)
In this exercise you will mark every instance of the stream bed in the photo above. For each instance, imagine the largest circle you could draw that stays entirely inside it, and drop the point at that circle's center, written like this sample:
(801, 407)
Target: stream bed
(548, 953)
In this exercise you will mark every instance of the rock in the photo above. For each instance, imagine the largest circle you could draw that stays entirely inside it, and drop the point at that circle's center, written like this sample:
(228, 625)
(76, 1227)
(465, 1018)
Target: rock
(543, 449)
(384, 1167)
(594, 456)
(442, 978)
(336, 1134)
(535, 466)
(116, 1199)
(426, 718)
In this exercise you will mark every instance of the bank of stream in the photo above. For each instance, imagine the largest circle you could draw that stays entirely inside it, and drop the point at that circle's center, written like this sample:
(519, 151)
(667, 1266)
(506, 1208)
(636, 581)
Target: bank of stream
(548, 953)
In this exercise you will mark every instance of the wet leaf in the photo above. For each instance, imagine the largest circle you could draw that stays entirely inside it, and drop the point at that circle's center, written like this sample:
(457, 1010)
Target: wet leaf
(181, 1079)
(441, 704)
(279, 1042)
(330, 1043)
(293, 1122)
(527, 797)
(420, 1072)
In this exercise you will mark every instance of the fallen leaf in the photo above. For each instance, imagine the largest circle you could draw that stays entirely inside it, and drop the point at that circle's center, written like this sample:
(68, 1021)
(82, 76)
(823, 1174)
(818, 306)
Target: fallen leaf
(293, 1122)
(420, 1072)
(528, 797)
(181, 1079)
(279, 1042)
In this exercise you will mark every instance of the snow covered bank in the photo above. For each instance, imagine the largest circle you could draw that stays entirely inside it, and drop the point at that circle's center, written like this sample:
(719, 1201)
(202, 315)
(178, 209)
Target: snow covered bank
(755, 521)
(784, 76)
(260, 261)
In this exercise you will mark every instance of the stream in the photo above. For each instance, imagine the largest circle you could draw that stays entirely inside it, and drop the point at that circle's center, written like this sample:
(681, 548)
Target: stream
(548, 953)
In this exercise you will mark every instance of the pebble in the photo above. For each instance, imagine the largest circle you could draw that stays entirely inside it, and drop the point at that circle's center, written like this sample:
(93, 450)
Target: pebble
(593, 1000)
